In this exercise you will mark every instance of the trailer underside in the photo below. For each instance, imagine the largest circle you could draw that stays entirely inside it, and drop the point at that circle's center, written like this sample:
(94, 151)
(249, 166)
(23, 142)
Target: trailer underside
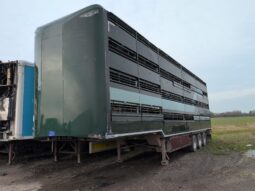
(151, 141)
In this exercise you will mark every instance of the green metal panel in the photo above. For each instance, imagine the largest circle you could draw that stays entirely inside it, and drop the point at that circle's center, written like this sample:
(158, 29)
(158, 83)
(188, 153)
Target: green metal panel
(172, 127)
(136, 126)
(70, 64)
(52, 81)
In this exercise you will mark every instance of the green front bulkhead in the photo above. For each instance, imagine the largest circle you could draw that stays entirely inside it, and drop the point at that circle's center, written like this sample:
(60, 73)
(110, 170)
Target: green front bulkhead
(70, 58)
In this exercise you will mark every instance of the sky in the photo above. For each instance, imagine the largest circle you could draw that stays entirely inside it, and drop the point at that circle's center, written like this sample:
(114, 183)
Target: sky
(214, 39)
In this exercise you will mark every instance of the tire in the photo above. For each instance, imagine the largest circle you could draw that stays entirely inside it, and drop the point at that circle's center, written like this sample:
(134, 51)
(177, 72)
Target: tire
(199, 141)
(193, 147)
(204, 139)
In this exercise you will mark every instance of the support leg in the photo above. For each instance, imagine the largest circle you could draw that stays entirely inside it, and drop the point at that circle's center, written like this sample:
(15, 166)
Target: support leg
(55, 151)
(52, 146)
(164, 160)
(119, 152)
(10, 153)
(78, 152)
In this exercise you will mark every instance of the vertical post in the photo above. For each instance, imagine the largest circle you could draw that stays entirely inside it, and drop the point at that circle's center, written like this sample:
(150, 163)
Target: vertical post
(55, 151)
(52, 146)
(10, 153)
(119, 151)
(78, 152)
(164, 160)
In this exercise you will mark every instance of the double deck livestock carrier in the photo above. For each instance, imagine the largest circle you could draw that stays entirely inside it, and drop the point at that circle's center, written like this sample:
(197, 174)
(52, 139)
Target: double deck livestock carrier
(100, 80)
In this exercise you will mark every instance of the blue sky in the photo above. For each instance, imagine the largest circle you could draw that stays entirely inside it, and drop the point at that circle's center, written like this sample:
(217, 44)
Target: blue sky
(214, 39)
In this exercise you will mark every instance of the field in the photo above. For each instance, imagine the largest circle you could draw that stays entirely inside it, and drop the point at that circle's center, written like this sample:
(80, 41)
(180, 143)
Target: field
(232, 134)
(221, 165)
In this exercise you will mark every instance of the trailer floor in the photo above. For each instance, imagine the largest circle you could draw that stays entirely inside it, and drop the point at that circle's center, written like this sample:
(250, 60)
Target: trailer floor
(198, 171)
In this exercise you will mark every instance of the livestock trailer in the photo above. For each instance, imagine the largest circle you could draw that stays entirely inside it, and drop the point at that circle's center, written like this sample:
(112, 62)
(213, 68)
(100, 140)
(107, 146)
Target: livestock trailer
(99, 79)
(17, 85)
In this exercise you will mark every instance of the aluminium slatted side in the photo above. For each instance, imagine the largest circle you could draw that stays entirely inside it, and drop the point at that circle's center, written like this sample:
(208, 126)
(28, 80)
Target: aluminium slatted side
(122, 78)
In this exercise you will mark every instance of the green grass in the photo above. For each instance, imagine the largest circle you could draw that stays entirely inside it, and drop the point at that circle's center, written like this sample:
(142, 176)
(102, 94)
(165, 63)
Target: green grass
(233, 121)
(232, 134)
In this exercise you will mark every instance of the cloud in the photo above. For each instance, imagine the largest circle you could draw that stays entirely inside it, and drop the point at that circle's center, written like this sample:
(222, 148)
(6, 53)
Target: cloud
(232, 94)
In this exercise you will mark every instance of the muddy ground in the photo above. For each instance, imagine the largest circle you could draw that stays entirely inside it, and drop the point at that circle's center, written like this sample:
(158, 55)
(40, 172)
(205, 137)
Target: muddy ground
(198, 171)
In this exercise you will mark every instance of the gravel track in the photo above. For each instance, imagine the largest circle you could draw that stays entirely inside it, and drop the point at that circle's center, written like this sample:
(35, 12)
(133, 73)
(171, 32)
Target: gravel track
(200, 171)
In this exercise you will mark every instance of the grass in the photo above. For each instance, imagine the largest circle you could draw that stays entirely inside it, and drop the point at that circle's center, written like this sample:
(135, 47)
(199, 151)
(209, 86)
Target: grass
(232, 134)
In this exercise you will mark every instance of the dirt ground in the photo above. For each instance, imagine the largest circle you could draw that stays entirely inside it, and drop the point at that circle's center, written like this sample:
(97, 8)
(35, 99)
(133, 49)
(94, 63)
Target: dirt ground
(198, 171)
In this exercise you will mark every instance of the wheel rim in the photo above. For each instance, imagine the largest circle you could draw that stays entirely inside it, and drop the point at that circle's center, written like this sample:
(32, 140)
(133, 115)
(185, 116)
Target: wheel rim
(194, 143)
(204, 139)
(199, 140)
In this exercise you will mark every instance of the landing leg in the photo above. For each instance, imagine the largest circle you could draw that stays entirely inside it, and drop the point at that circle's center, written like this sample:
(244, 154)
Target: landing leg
(52, 146)
(78, 152)
(165, 158)
(11, 153)
(55, 151)
(119, 152)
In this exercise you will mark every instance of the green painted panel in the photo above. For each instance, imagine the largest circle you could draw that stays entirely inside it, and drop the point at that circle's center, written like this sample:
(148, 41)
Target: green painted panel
(193, 125)
(71, 75)
(171, 127)
(84, 75)
(205, 123)
(135, 126)
(52, 83)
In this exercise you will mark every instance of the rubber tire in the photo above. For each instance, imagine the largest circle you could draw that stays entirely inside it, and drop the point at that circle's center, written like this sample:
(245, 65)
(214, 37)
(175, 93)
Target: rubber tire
(204, 139)
(199, 141)
(193, 147)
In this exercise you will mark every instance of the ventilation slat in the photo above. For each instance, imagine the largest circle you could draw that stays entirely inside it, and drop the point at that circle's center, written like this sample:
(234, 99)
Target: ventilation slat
(131, 55)
(173, 116)
(132, 81)
(148, 64)
(122, 50)
(120, 107)
(148, 86)
(151, 109)
(117, 21)
(167, 75)
(204, 94)
(124, 108)
(188, 117)
(122, 78)
(171, 96)
(178, 98)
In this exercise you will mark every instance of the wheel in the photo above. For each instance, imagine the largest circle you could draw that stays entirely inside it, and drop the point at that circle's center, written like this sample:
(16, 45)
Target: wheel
(204, 139)
(193, 147)
(199, 141)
